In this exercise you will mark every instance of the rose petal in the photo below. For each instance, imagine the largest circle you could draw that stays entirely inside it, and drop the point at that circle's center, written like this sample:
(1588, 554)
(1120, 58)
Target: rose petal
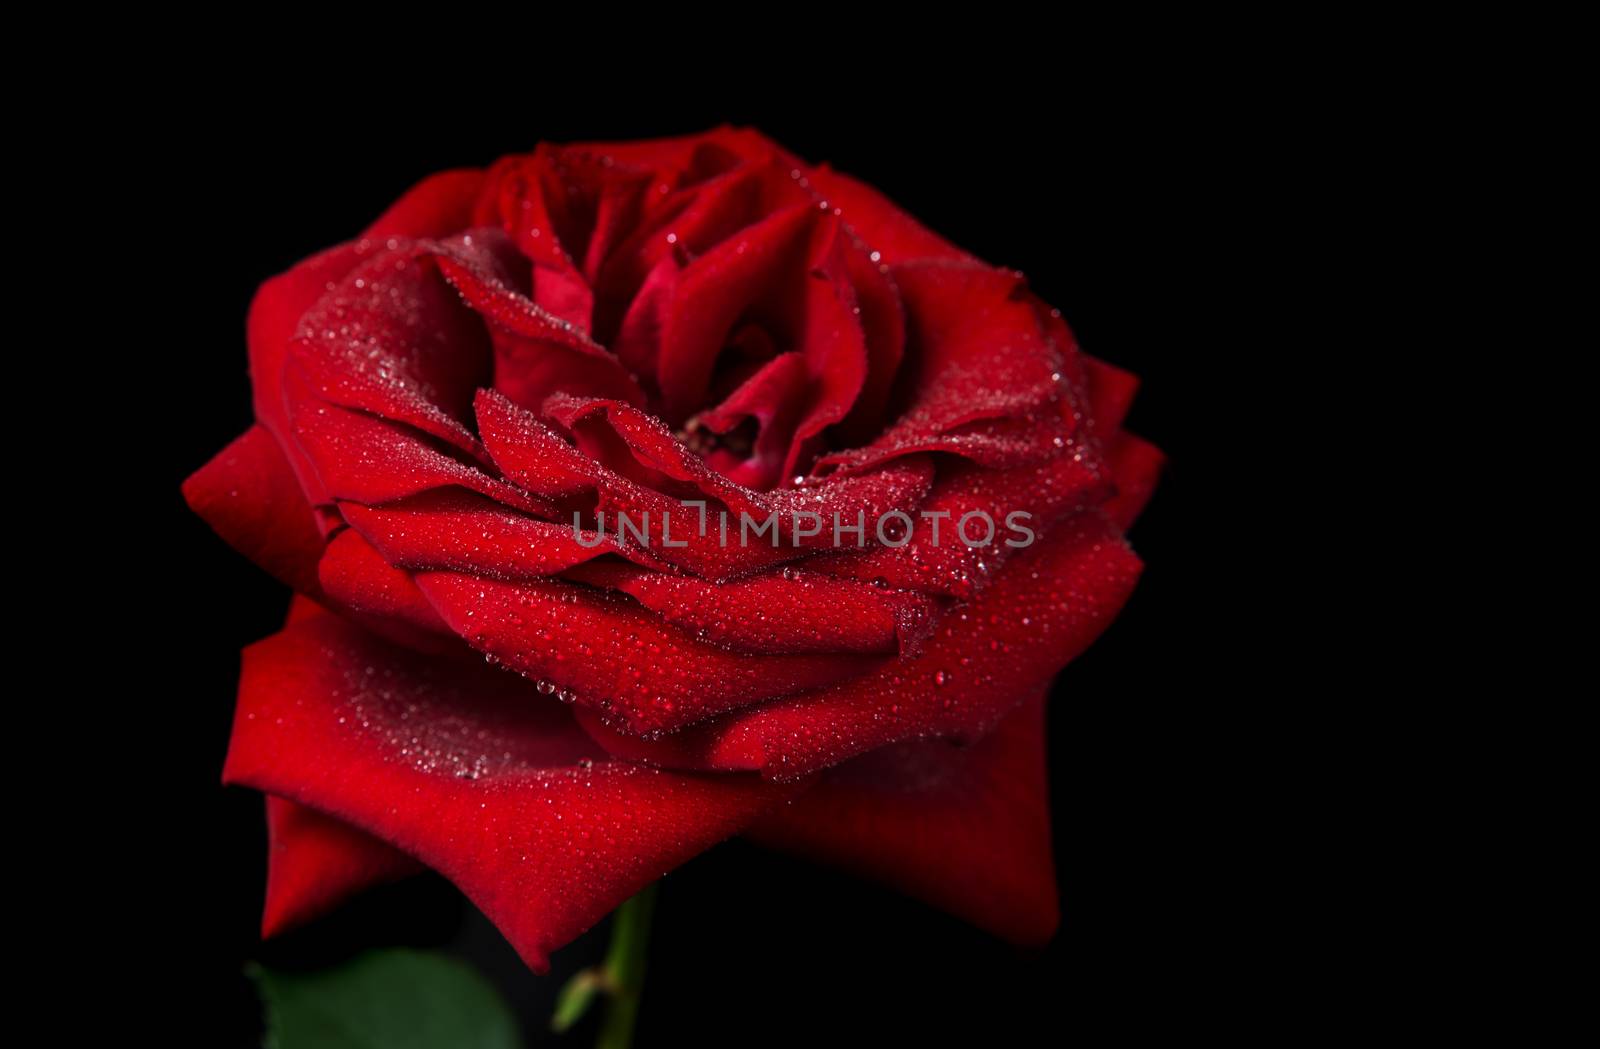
(883, 324)
(438, 206)
(274, 318)
(454, 530)
(984, 371)
(638, 339)
(818, 314)
(712, 292)
(315, 863)
(693, 217)
(367, 588)
(520, 204)
(617, 659)
(893, 234)
(791, 612)
(536, 352)
(683, 153)
(594, 202)
(538, 460)
(461, 767)
(964, 529)
(368, 460)
(248, 494)
(966, 829)
(1136, 465)
(774, 397)
(1044, 608)
(394, 339)
(1110, 392)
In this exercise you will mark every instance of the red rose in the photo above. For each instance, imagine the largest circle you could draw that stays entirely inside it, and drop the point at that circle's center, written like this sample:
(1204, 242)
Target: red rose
(507, 426)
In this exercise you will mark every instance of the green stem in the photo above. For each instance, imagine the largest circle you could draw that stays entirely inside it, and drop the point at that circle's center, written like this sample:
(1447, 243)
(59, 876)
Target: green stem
(624, 969)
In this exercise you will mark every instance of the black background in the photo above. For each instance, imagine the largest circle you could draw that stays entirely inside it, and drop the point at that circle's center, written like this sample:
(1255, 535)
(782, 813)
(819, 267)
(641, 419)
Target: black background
(1115, 210)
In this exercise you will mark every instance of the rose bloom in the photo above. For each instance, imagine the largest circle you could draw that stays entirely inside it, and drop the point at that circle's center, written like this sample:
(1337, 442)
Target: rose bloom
(553, 715)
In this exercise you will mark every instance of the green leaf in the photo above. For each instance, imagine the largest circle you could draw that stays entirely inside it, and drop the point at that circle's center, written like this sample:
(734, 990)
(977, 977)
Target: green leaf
(391, 999)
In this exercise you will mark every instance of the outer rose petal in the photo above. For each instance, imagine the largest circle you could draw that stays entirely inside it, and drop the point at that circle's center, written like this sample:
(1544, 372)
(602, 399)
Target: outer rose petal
(438, 206)
(315, 863)
(249, 496)
(303, 608)
(474, 774)
(1111, 391)
(893, 234)
(1133, 463)
(275, 314)
(966, 829)
(395, 340)
(675, 151)
(1136, 464)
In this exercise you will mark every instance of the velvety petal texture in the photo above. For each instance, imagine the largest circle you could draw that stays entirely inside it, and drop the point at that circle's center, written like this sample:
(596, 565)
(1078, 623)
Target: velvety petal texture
(249, 495)
(966, 829)
(315, 863)
(463, 768)
(655, 492)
